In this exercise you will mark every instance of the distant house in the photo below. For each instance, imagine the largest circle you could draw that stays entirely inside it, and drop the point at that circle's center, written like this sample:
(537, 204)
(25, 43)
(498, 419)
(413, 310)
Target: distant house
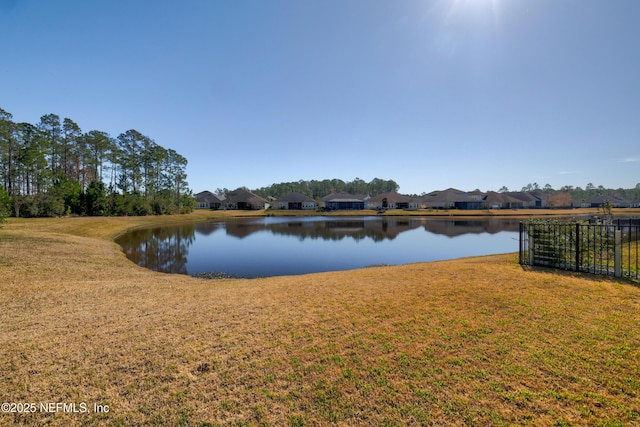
(495, 200)
(341, 201)
(575, 203)
(616, 202)
(208, 200)
(542, 199)
(243, 199)
(531, 199)
(451, 198)
(295, 200)
(392, 200)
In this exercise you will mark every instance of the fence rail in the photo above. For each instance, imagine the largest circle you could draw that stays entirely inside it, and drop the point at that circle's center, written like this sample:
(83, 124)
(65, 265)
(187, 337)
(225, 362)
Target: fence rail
(609, 248)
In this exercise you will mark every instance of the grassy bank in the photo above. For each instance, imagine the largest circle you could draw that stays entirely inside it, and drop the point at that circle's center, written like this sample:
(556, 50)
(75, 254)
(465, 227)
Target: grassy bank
(476, 341)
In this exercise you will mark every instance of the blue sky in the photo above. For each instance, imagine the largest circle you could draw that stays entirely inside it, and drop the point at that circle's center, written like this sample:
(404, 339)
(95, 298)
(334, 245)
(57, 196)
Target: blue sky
(431, 93)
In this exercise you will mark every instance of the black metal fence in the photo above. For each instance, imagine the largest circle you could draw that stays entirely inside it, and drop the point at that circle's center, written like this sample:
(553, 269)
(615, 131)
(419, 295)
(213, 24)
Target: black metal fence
(598, 247)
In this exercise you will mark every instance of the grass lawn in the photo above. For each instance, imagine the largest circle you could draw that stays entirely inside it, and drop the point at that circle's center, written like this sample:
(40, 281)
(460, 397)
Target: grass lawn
(475, 341)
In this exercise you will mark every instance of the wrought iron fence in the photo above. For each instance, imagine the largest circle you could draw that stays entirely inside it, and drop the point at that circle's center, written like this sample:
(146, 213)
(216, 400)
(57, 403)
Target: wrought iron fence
(598, 247)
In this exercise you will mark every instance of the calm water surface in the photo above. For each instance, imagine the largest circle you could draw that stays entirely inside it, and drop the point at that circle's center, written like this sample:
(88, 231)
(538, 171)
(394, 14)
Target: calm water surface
(269, 246)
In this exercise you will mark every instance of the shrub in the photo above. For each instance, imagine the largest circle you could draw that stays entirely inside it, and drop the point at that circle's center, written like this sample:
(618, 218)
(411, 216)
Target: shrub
(575, 245)
(95, 200)
(5, 205)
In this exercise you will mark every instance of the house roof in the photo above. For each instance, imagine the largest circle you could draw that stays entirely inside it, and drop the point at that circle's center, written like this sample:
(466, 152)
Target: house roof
(342, 197)
(207, 197)
(525, 196)
(391, 196)
(295, 197)
(493, 197)
(245, 196)
(448, 195)
(608, 197)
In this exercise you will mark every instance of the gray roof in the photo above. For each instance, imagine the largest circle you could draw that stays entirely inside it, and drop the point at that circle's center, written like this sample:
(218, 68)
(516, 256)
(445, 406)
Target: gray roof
(207, 197)
(493, 197)
(447, 196)
(294, 197)
(245, 196)
(524, 196)
(608, 198)
(342, 197)
(391, 196)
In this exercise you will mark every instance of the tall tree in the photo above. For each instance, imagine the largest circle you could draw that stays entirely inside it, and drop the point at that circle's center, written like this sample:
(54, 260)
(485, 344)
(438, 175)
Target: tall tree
(35, 173)
(176, 175)
(52, 131)
(358, 186)
(71, 149)
(130, 161)
(8, 151)
(99, 145)
(152, 158)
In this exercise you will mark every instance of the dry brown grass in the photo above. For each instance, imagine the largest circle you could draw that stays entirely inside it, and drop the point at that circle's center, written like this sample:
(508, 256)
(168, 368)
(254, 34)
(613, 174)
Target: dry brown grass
(476, 341)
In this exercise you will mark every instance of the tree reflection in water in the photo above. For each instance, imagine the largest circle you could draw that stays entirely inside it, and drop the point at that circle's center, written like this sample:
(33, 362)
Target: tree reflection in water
(166, 249)
(162, 249)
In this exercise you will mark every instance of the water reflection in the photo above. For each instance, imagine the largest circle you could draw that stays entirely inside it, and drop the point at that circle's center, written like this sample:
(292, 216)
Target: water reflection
(160, 249)
(332, 229)
(457, 227)
(254, 247)
(377, 229)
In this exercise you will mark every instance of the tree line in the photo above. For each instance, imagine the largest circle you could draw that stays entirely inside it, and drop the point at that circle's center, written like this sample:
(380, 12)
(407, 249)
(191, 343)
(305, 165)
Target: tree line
(590, 191)
(52, 168)
(318, 189)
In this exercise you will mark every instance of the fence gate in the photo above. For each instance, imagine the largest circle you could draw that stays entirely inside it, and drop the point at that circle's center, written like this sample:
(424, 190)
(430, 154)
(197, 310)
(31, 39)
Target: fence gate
(609, 248)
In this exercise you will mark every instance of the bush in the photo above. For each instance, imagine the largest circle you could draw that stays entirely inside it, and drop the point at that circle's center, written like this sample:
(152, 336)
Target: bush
(5, 205)
(571, 245)
(187, 203)
(94, 200)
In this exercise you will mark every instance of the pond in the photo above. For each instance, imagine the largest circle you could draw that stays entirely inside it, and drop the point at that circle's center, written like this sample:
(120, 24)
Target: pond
(277, 246)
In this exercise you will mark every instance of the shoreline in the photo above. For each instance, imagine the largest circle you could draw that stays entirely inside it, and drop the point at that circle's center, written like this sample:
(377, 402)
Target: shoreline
(202, 214)
(429, 343)
(523, 213)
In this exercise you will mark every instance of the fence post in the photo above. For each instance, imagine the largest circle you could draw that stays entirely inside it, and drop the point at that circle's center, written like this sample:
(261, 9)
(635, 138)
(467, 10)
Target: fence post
(531, 241)
(577, 246)
(521, 244)
(617, 252)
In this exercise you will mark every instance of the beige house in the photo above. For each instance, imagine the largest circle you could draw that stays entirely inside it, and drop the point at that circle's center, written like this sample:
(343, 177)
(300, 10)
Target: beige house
(245, 199)
(392, 200)
(208, 200)
(295, 201)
